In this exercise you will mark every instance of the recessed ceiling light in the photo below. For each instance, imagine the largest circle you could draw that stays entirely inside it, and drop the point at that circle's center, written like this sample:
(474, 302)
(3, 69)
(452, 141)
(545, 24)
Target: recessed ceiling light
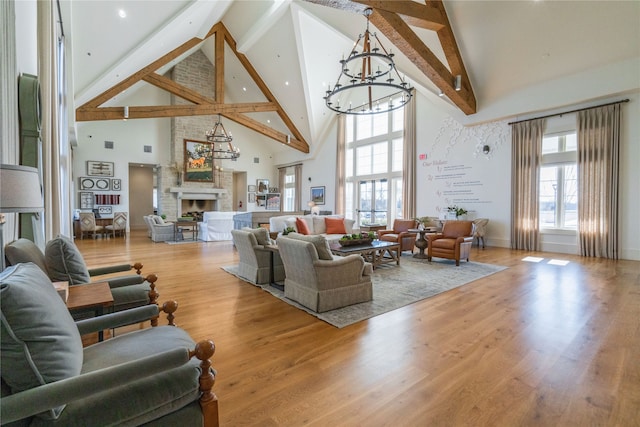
(244, 89)
(286, 83)
(122, 13)
(268, 121)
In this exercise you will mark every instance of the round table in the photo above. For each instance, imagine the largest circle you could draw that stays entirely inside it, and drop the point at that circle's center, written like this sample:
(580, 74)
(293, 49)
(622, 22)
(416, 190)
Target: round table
(421, 242)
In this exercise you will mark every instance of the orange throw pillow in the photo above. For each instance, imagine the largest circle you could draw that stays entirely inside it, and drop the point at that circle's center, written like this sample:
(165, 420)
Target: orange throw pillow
(335, 226)
(302, 227)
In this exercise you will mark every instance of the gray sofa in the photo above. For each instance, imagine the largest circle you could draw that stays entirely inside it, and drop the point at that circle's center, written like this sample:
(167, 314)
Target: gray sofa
(320, 281)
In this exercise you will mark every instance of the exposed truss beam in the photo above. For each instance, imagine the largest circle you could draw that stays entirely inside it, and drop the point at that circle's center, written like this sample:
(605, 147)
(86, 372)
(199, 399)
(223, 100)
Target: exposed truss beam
(201, 105)
(393, 17)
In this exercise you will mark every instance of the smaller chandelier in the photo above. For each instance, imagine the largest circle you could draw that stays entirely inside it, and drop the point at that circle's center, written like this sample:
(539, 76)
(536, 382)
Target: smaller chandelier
(221, 140)
(359, 89)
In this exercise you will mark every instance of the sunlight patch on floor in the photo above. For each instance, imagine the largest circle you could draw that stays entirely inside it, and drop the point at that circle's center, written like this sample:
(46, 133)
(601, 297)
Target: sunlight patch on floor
(532, 259)
(560, 262)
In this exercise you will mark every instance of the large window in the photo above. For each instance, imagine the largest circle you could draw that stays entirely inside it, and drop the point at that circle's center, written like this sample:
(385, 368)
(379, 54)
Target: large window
(373, 167)
(559, 182)
(288, 195)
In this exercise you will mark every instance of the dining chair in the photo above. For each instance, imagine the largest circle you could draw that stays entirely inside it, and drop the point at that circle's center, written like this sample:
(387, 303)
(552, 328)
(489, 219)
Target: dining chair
(119, 225)
(88, 225)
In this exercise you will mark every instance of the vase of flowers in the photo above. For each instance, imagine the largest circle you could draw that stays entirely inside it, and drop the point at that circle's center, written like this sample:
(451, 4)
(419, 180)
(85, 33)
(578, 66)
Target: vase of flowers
(456, 211)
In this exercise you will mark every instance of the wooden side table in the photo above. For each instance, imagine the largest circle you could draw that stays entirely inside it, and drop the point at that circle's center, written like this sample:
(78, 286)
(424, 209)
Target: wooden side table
(92, 295)
(421, 242)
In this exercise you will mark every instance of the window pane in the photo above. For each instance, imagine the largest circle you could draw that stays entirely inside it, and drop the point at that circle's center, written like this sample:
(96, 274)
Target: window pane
(397, 204)
(380, 157)
(571, 142)
(396, 165)
(398, 119)
(348, 159)
(348, 206)
(364, 126)
(380, 124)
(363, 160)
(550, 144)
(548, 186)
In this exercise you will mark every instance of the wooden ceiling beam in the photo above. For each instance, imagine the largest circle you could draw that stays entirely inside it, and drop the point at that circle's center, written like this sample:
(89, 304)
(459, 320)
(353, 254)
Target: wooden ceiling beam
(136, 77)
(399, 33)
(416, 14)
(203, 105)
(267, 131)
(393, 17)
(162, 111)
(177, 89)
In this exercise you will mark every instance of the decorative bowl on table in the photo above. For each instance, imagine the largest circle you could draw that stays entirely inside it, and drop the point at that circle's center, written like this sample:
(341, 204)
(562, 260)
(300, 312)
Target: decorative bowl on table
(356, 239)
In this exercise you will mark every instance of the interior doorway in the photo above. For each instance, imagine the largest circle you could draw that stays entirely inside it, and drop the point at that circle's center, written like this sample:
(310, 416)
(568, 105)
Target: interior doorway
(240, 191)
(142, 187)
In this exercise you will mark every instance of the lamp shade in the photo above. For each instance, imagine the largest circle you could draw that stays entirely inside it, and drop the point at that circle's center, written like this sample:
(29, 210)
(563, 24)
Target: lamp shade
(20, 189)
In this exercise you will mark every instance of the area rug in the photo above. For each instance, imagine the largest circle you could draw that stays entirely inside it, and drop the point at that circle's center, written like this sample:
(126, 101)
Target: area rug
(396, 286)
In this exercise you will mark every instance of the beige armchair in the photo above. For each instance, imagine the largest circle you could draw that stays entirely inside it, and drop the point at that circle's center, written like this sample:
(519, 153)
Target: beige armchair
(159, 230)
(480, 230)
(322, 284)
(255, 261)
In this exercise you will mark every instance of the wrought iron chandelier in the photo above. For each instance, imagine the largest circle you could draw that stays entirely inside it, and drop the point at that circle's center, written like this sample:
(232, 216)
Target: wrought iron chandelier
(221, 140)
(359, 89)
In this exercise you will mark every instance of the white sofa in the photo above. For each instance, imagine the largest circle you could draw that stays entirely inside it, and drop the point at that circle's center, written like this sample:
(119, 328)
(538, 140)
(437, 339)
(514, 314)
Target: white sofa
(315, 224)
(215, 226)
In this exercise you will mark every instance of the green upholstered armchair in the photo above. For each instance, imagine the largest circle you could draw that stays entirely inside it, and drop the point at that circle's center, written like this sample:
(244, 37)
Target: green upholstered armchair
(63, 262)
(148, 376)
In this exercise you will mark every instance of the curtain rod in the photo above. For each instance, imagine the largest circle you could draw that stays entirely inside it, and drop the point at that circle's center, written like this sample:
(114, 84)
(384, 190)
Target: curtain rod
(567, 112)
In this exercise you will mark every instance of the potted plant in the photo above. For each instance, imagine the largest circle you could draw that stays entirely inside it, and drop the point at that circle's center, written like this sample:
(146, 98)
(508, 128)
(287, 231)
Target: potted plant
(458, 211)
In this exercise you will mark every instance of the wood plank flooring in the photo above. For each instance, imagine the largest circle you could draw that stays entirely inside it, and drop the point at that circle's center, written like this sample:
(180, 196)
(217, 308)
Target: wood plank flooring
(533, 345)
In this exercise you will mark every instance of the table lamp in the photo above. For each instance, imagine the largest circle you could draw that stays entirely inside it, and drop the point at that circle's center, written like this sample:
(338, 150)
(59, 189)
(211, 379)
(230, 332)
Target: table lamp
(20, 192)
(315, 210)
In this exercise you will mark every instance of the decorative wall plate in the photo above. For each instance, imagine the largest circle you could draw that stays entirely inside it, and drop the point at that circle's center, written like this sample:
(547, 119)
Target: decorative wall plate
(102, 184)
(86, 183)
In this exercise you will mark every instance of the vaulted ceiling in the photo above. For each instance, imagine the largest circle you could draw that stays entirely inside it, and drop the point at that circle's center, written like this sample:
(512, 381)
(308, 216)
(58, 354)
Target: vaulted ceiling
(294, 46)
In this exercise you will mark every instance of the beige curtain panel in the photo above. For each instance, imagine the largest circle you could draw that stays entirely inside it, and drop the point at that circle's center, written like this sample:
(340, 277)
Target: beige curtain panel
(409, 160)
(598, 170)
(340, 166)
(526, 139)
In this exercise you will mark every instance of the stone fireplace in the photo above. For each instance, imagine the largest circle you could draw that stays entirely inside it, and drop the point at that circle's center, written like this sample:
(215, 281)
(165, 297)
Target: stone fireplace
(178, 196)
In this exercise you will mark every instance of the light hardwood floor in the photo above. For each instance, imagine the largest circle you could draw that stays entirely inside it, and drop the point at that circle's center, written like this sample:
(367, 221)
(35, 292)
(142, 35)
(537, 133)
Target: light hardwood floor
(534, 345)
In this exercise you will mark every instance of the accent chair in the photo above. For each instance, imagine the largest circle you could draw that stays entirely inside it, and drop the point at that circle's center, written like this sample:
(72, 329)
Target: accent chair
(320, 281)
(454, 242)
(63, 262)
(255, 261)
(119, 225)
(145, 377)
(400, 234)
(88, 225)
(480, 230)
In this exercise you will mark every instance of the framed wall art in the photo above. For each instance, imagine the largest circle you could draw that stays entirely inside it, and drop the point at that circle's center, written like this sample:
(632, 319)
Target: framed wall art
(251, 197)
(105, 210)
(263, 185)
(317, 195)
(116, 185)
(95, 168)
(86, 200)
(198, 161)
(251, 188)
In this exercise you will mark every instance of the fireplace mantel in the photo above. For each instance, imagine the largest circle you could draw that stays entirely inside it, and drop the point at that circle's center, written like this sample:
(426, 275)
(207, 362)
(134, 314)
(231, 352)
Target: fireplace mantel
(197, 193)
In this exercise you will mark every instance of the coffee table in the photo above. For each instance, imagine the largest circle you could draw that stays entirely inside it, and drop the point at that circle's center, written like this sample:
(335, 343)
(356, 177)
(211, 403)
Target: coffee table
(92, 295)
(373, 252)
